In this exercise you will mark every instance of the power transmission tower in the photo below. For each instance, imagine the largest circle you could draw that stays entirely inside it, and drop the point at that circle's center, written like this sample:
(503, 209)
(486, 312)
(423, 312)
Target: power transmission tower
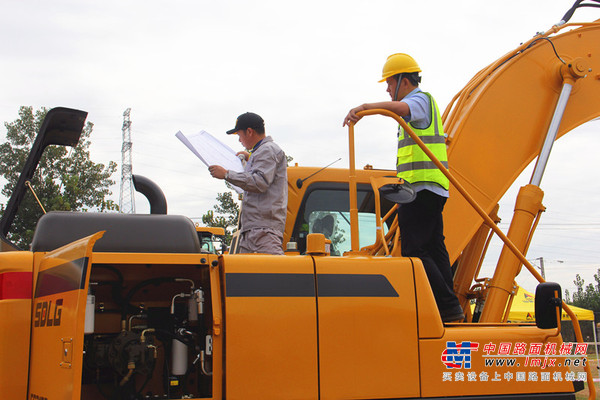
(126, 200)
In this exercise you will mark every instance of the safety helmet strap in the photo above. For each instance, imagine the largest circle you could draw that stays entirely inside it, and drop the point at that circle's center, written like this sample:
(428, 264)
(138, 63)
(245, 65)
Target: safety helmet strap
(398, 81)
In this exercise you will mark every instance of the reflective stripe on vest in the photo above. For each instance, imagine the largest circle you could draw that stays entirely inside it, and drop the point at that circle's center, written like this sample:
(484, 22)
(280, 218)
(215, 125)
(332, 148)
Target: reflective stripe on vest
(413, 164)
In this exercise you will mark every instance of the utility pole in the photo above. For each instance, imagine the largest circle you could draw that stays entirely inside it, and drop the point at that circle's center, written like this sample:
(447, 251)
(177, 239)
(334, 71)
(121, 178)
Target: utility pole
(542, 267)
(126, 199)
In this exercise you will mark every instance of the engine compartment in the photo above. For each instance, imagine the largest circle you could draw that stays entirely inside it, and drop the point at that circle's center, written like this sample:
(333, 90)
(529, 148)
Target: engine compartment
(148, 332)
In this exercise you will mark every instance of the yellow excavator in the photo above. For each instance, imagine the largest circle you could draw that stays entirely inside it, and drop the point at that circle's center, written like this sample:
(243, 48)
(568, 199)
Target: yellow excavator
(113, 306)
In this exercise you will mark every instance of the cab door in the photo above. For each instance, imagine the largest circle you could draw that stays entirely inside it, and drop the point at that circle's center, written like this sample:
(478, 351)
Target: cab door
(59, 300)
(368, 343)
(271, 349)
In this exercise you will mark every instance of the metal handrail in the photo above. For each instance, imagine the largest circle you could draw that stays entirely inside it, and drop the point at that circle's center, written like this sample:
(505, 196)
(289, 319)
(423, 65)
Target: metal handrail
(353, 201)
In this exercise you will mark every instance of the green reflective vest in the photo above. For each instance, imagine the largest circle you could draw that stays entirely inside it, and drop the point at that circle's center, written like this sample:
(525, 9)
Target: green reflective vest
(413, 164)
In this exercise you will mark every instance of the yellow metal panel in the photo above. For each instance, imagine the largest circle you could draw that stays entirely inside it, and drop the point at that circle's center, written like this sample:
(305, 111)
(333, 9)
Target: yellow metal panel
(14, 347)
(150, 258)
(58, 319)
(15, 322)
(367, 332)
(217, 311)
(490, 380)
(271, 327)
(211, 229)
(430, 322)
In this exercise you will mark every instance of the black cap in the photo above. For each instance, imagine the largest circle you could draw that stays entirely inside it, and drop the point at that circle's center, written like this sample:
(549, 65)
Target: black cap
(248, 120)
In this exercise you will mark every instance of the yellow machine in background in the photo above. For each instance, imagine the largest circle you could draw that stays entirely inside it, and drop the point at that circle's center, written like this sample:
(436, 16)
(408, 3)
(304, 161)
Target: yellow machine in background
(112, 306)
(209, 236)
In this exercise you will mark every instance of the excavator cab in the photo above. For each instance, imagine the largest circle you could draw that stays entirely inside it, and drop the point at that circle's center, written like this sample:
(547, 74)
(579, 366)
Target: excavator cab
(325, 208)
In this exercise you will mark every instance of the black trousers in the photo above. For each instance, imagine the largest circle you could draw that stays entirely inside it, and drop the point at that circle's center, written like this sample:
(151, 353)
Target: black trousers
(422, 235)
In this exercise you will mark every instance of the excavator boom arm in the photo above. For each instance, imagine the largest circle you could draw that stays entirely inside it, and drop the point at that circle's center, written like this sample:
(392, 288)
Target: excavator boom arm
(501, 118)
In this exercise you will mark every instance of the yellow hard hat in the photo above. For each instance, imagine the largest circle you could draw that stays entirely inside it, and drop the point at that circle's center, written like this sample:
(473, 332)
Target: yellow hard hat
(399, 63)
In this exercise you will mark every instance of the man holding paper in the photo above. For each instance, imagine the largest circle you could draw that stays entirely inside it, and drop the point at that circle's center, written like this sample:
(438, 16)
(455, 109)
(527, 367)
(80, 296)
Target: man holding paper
(264, 181)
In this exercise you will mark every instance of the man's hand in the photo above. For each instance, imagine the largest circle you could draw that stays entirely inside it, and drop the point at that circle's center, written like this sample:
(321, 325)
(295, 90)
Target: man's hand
(352, 117)
(243, 153)
(399, 108)
(217, 171)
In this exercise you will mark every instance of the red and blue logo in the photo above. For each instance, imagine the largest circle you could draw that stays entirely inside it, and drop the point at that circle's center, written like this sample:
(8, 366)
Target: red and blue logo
(458, 355)
(528, 298)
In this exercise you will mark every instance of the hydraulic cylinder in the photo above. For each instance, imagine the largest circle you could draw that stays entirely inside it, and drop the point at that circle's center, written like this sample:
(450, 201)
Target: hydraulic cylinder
(528, 205)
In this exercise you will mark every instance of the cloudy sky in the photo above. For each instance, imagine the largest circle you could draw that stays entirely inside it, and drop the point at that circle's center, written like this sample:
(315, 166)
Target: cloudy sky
(192, 65)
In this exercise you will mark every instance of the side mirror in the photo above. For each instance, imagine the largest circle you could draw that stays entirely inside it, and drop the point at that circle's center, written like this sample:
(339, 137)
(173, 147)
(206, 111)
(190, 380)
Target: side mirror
(548, 299)
(400, 192)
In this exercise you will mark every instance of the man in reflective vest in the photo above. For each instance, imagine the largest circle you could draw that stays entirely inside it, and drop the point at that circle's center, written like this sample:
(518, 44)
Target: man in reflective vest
(421, 222)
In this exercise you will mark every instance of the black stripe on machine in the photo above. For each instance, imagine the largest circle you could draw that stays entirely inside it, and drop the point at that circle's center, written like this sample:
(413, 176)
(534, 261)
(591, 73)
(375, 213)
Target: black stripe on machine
(355, 285)
(303, 285)
(269, 285)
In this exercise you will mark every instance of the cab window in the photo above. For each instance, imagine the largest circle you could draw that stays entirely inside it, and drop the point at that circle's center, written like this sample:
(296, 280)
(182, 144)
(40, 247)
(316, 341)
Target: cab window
(326, 209)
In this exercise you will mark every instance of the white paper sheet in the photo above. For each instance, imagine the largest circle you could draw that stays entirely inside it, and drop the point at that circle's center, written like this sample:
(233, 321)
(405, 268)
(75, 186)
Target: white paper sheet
(212, 151)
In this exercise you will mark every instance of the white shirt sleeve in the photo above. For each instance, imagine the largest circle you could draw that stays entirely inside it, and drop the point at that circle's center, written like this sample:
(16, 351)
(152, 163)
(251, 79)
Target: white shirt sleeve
(420, 110)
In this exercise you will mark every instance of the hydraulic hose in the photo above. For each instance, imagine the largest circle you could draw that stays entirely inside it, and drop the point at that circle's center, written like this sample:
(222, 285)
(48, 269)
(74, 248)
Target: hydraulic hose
(127, 302)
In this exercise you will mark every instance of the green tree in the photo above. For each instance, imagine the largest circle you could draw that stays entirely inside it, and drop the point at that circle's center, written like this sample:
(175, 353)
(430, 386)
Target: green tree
(585, 296)
(225, 215)
(65, 180)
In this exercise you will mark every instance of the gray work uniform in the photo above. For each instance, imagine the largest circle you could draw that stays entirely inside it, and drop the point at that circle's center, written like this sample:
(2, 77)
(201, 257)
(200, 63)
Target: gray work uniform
(264, 203)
